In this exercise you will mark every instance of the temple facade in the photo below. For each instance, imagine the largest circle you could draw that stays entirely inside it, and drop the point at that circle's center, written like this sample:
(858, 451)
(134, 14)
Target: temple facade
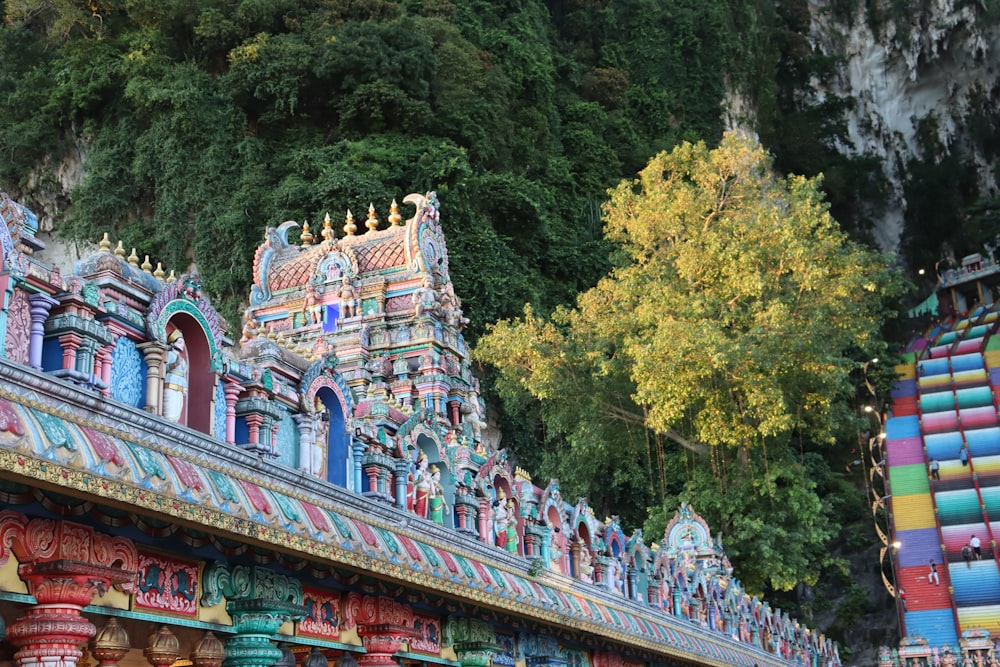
(323, 489)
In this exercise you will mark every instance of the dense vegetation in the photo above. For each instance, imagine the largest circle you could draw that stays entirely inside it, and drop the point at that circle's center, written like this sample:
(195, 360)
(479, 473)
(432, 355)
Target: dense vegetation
(202, 122)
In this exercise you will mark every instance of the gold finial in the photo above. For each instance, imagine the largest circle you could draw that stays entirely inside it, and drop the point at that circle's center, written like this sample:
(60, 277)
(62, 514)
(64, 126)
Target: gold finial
(349, 226)
(146, 265)
(105, 243)
(327, 228)
(394, 217)
(171, 278)
(306, 237)
(372, 222)
(159, 273)
(119, 250)
(133, 258)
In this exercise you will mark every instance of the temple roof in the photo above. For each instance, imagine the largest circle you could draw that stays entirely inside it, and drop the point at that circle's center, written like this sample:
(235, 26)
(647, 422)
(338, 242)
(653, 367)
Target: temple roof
(53, 433)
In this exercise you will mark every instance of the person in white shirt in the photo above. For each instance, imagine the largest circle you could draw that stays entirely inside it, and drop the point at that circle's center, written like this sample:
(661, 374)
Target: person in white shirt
(976, 547)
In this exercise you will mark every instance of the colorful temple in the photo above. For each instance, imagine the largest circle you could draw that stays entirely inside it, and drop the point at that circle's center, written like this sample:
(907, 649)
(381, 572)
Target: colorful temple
(325, 490)
(942, 479)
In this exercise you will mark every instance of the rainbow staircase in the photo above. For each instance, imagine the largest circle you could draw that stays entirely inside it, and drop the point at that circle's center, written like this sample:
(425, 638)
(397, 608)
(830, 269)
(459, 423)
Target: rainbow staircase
(945, 400)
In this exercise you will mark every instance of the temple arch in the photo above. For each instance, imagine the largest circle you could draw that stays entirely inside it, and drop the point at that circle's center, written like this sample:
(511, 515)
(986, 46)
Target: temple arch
(188, 387)
(427, 444)
(332, 432)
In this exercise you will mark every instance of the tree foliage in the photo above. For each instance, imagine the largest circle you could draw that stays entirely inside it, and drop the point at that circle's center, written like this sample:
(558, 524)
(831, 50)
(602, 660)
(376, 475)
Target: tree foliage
(200, 121)
(728, 331)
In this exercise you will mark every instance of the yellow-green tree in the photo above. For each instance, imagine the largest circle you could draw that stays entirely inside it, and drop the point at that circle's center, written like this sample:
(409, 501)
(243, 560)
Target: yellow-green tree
(727, 332)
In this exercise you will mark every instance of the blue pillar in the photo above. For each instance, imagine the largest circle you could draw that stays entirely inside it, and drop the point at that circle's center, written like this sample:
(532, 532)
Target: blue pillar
(357, 449)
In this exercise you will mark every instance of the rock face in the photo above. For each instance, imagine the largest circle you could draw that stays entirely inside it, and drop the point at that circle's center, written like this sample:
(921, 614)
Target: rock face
(935, 61)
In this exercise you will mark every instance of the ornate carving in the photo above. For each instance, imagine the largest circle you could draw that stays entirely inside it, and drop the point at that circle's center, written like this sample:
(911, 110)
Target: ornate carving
(64, 565)
(19, 328)
(260, 601)
(208, 652)
(110, 644)
(163, 648)
(126, 373)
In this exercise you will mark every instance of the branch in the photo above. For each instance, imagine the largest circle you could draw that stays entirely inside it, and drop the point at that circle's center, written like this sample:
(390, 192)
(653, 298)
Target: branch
(635, 418)
(696, 447)
(624, 415)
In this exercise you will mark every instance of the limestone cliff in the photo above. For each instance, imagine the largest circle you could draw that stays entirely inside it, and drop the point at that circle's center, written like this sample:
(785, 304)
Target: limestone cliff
(932, 64)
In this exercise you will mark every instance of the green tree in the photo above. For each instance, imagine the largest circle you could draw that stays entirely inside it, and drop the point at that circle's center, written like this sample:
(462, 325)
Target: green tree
(723, 342)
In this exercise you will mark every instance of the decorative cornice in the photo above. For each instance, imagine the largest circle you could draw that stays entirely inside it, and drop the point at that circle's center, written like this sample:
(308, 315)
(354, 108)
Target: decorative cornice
(71, 404)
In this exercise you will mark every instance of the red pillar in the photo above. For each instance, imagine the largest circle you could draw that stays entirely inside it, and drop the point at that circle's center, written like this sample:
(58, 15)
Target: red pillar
(64, 565)
(232, 390)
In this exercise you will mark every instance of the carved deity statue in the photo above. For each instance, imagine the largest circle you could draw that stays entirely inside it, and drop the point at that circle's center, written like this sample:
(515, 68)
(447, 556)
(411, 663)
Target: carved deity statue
(422, 482)
(425, 298)
(436, 504)
(348, 299)
(321, 431)
(585, 569)
(313, 308)
(175, 377)
(249, 328)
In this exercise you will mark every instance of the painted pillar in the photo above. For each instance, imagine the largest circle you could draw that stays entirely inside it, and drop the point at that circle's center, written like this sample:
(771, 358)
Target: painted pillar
(306, 422)
(357, 451)
(383, 625)
(545, 546)
(69, 343)
(632, 576)
(41, 304)
(259, 601)
(381, 642)
(232, 390)
(102, 368)
(402, 471)
(154, 353)
(474, 642)
(82, 563)
(484, 517)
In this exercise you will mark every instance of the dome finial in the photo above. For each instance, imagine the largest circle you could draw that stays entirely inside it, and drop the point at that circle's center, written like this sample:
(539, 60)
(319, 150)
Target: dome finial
(327, 228)
(133, 258)
(306, 237)
(394, 217)
(105, 243)
(349, 226)
(372, 222)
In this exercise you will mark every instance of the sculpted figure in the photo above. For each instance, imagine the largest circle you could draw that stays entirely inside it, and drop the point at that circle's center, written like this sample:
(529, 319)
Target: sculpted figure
(586, 570)
(321, 441)
(555, 550)
(436, 506)
(313, 308)
(424, 298)
(423, 481)
(511, 528)
(175, 377)
(249, 328)
(348, 299)
(501, 516)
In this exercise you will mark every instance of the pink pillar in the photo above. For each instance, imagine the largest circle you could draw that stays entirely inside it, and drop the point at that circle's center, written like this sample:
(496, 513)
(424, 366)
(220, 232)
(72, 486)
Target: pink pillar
(70, 343)
(102, 367)
(484, 514)
(232, 390)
